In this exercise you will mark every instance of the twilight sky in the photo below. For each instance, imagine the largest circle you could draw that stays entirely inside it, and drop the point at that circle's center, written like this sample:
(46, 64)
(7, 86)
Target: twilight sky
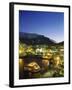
(49, 24)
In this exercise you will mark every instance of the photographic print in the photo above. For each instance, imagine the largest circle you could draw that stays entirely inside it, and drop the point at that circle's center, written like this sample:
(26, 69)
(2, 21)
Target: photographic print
(41, 44)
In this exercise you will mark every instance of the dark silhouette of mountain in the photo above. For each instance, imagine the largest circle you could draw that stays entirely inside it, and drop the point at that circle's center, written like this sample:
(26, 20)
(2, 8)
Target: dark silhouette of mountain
(61, 43)
(32, 38)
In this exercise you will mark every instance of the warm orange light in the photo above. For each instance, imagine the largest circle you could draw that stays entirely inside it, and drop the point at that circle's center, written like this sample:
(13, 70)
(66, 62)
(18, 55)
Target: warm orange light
(58, 58)
(20, 61)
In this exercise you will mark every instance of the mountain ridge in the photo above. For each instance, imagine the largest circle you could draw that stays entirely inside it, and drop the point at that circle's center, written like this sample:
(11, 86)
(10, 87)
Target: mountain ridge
(33, 38)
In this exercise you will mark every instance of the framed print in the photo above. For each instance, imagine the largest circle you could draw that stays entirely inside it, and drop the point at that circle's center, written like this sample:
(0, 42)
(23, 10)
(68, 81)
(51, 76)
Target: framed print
(39, 44)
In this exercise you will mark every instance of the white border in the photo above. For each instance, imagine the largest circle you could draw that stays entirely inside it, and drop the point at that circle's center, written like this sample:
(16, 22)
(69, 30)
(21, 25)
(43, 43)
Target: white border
(18, 82)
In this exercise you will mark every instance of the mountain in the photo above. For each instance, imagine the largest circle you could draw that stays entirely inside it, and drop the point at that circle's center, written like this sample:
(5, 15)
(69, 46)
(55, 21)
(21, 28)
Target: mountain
(32, 38)
(61, 43)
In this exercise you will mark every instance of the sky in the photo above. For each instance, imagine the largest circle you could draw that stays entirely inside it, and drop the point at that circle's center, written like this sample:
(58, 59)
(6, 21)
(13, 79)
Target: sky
(49, 24)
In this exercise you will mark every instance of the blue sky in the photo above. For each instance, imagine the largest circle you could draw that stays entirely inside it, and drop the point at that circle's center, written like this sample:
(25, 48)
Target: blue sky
(49, 24)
